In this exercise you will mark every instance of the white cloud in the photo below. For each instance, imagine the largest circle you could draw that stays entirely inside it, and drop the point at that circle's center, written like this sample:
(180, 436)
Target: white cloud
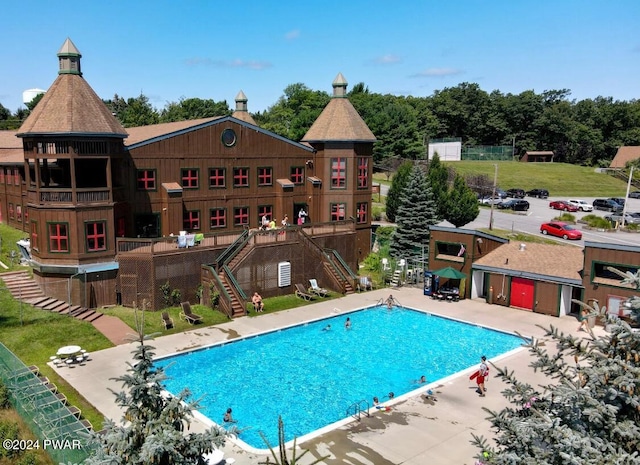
(237, 63)
(437, 72)
(388, 59)
(292, 35)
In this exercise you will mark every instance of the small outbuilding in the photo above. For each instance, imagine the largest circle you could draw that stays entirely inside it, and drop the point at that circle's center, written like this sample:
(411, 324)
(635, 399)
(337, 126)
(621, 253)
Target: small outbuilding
(537, 157)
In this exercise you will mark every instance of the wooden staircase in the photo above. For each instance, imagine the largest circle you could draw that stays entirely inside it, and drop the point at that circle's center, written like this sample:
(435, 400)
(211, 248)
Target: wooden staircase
(24, 288)
(237, 306)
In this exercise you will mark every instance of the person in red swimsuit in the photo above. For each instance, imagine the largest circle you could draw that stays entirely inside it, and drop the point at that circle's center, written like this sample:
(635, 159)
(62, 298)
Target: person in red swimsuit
(483, 372)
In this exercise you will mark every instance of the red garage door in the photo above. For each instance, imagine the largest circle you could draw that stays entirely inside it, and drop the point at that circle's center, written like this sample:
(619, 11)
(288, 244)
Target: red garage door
(522, 293)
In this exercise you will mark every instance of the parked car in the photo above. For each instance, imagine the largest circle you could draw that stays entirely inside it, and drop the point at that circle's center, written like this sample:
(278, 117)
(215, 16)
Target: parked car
(619, 200)
(634, 195)
(581, 204)
(560, 229)
(540, 193)
(490, 200)
(515, 193)
(607, 205)
(563, 205)
(514, 204)
(629, 218)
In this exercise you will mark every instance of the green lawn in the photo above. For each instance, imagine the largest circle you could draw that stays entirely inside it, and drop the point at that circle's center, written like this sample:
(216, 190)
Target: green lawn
(560, 179)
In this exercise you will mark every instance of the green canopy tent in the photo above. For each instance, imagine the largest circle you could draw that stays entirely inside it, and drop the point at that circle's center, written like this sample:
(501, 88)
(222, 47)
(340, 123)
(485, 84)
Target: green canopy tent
(452, 273)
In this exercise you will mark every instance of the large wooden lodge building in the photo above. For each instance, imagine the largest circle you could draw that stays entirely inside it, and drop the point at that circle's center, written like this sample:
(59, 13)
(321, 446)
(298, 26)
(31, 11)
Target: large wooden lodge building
(104, 206)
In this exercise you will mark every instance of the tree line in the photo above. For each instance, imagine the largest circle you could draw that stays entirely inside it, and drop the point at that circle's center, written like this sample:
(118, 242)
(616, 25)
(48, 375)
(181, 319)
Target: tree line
(585, 132)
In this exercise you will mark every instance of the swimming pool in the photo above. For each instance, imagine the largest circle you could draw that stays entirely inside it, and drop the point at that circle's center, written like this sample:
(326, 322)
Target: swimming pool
(310, 376)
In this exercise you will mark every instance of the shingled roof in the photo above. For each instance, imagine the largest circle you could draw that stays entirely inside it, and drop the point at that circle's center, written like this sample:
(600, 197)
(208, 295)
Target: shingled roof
(339, 121)
(624, 155)
(11, 150)
(542, 260)
(70, 106)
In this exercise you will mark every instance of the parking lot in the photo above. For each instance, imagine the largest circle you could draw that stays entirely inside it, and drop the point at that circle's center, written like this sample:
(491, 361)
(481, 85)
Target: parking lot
(539, 212)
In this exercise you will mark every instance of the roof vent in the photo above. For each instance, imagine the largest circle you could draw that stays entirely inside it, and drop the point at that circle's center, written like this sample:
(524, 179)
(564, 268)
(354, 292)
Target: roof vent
(523, 247)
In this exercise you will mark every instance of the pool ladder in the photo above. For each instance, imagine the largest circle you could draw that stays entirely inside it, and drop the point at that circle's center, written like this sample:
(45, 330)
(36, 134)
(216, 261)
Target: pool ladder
(356, 410)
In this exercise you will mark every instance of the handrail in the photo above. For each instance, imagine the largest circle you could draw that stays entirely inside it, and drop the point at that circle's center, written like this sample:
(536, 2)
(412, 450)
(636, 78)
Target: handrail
(357, 409)
(230, 251)
(223, 291)
(343, 263)
(234, 283)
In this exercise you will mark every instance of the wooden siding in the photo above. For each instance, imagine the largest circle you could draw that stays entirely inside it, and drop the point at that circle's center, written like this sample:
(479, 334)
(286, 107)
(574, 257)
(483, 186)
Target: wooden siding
(547, 298)
(474, 249)
(601, 291)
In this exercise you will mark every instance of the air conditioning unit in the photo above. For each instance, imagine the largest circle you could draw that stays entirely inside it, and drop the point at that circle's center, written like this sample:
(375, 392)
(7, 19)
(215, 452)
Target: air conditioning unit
(284, 274)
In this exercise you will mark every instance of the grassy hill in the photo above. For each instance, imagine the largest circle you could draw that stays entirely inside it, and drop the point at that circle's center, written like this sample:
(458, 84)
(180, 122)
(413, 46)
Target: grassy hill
(560, 179)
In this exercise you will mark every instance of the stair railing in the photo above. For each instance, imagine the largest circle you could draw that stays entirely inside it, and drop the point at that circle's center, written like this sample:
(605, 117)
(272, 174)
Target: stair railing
(356, 410)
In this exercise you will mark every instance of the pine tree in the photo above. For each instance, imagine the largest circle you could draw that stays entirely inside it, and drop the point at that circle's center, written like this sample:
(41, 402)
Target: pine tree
(417, 212)
(399, 181)
(153, 429)
(438, 175)
(589, 413)
(461, 204)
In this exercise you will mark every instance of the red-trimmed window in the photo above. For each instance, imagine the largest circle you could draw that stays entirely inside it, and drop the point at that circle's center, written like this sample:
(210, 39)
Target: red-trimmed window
(26, 215)
(191, 220)
(265, 176)
(297, 174)
(189, 178)
(34, 236)
(218, 218)
(19, 212)
(1, 175)
(338, 173)
(96, 236)
(216, 177)
(363, 172)
(241, 177)
(11, 211)
(241, 216)
(361, 212)
(16, 176)
(265, 210)
(58, 237)
(146, 180)
(338, 211)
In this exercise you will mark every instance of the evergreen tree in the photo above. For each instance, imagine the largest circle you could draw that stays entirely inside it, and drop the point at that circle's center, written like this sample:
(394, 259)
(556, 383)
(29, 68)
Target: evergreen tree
(398, 183)
(589, 413)
(417, 212)
(461, 204)
(153, 429)
(439, 178)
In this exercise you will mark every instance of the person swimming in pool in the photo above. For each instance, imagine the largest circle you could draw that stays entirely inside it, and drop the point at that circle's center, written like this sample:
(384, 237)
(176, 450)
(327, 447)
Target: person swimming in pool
(327, 328)
(347, 324)
(228, 418)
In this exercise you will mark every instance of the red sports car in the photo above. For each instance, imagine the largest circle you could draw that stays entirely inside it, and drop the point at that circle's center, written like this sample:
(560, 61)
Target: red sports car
(563, 205)
(560, 229)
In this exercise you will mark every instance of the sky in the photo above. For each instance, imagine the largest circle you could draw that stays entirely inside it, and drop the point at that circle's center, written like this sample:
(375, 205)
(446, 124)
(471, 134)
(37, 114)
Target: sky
(168, 50)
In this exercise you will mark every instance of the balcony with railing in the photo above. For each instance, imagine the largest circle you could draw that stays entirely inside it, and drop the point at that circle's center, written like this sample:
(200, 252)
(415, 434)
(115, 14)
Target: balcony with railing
(66, 196)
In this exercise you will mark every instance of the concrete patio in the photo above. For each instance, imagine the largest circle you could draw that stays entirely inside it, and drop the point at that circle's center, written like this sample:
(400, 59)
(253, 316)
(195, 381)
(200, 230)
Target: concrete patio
(415, 432)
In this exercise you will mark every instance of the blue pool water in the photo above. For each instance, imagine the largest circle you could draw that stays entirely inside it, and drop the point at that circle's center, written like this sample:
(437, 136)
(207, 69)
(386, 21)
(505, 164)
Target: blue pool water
(311, 376)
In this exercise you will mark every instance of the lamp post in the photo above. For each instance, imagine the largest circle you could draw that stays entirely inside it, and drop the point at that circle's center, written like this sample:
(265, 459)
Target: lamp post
(495, 181)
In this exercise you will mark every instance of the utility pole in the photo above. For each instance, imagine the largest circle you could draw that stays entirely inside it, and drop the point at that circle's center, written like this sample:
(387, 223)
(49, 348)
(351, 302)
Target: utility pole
(626, 197)
(495, 181)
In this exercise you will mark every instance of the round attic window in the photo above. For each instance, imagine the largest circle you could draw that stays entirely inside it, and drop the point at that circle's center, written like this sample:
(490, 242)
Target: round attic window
(229, 137)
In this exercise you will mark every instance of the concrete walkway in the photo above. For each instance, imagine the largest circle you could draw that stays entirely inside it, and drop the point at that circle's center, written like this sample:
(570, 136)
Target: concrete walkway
(414, 432)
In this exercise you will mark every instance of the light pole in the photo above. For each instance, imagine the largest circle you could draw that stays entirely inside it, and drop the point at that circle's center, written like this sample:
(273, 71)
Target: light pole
(495, 181)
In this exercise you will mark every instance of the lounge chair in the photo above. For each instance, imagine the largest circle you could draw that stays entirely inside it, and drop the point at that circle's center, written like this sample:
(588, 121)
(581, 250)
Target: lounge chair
(315, 289)
(365, 283)
(303, 294)
(188, 315)
(167, 321)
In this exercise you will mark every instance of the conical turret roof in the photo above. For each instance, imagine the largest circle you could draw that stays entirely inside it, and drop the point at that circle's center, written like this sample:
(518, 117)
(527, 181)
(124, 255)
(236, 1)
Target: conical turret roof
(339, 121)
(70, 105)
(241, 112)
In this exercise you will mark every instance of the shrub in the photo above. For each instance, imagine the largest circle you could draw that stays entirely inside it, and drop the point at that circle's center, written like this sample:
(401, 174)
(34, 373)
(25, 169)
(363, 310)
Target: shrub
(4, 396)
(566, 217)
(8, 431)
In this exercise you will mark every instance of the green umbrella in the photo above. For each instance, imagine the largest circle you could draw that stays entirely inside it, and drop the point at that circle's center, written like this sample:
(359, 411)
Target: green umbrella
(450, 273)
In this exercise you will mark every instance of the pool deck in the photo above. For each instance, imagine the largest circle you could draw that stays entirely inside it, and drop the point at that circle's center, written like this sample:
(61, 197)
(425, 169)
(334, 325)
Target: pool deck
(414, 432)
